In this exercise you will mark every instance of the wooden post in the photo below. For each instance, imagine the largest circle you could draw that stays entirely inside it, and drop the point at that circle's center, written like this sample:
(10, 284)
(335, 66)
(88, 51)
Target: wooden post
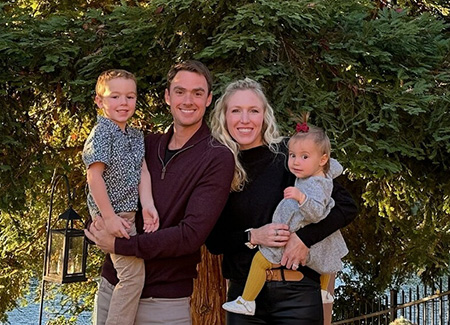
(393, 306)
(209, 291)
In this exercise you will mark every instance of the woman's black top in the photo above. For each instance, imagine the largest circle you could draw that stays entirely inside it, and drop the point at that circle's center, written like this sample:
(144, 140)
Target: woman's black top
(254, 206)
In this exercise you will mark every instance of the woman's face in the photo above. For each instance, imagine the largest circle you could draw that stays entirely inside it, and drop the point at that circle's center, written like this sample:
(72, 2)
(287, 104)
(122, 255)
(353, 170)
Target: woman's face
(244, 118)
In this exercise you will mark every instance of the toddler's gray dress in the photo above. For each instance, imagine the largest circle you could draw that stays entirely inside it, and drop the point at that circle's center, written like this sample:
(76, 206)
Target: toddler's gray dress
(326, 255)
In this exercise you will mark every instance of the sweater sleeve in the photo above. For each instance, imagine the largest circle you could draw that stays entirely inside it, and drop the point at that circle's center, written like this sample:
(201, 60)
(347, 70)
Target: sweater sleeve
(222, 241)
(317, 203)
(201, 213)
(342, 214)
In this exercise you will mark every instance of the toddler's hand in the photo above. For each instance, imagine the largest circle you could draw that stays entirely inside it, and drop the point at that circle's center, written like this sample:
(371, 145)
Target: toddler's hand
(151, 218)
(294, 193)
(117, 227)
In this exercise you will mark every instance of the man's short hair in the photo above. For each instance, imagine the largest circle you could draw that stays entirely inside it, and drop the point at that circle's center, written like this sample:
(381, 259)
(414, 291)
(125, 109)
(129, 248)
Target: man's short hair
(192, 66)
(108, 75)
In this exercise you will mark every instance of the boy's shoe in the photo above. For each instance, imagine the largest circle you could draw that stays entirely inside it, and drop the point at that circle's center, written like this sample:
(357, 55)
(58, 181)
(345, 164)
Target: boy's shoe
(240, 306)
(327, 298)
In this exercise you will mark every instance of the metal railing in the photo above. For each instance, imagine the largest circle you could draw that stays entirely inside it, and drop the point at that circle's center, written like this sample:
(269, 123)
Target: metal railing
(421, 305)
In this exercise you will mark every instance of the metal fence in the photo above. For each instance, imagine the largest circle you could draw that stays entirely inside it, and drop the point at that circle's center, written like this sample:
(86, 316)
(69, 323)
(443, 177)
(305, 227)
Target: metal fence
(421, 305)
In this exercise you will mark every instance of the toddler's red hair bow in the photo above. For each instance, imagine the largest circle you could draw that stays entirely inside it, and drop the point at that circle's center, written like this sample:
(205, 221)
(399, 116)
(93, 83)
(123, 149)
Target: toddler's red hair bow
(304, 128)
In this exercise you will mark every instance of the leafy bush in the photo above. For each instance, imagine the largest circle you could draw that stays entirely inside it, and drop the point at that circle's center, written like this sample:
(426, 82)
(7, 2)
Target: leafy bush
(376, 79)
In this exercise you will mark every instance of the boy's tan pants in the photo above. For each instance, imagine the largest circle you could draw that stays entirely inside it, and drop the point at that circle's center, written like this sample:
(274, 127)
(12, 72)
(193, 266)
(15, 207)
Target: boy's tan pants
(131, 274)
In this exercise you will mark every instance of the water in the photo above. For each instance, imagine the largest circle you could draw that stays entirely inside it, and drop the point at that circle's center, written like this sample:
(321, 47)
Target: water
(29, 315)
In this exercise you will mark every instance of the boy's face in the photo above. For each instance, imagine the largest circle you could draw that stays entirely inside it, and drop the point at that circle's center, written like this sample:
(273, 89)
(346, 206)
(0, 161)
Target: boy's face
(188, 98)
(118, 100)
(305, 158)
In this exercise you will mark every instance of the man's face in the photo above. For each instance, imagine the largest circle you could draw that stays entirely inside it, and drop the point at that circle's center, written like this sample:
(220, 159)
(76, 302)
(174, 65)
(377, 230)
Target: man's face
(188, 98)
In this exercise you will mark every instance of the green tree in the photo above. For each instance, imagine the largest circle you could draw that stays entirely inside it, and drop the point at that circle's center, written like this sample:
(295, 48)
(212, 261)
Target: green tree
(376, 78)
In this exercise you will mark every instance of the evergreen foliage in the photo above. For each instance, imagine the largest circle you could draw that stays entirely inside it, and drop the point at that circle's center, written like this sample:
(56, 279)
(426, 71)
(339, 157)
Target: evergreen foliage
(375, 77)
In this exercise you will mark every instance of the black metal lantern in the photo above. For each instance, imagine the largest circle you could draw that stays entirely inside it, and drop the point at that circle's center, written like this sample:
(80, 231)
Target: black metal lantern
(66, 247)
(67, 251)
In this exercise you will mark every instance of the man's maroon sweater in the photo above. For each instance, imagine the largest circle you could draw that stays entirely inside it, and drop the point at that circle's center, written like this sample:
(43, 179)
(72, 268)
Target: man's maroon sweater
(190, 191)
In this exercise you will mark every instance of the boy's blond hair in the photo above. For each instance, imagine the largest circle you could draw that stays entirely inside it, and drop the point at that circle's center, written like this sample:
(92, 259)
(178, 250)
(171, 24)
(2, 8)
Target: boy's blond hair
(108, 75)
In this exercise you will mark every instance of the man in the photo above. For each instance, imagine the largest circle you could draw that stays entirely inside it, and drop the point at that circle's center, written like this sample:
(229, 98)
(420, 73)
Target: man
(191, 177)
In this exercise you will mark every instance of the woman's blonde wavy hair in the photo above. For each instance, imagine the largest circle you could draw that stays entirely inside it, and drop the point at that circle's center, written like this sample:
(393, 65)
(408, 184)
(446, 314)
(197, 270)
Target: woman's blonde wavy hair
(270, 134)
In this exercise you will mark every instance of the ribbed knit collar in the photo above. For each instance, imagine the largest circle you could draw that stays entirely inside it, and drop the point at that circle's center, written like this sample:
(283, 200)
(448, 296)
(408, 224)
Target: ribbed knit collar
(253, 155)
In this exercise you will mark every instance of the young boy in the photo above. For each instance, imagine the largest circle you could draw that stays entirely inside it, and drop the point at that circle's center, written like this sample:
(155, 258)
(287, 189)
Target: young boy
(118, 177)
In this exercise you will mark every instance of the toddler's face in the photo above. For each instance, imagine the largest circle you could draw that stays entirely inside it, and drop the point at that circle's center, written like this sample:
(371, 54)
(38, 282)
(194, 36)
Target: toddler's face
(305, 158)
(118, 100)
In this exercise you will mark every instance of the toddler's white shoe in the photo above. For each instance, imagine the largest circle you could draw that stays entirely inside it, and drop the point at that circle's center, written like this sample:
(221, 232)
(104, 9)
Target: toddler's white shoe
(240, 306)
(327, 298)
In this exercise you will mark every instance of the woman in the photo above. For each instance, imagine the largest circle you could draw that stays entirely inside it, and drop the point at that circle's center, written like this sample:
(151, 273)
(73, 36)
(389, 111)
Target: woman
(244, 121)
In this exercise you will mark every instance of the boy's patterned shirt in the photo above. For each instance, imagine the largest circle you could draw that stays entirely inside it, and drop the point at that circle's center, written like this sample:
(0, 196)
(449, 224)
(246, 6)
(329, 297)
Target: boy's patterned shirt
(123, 154)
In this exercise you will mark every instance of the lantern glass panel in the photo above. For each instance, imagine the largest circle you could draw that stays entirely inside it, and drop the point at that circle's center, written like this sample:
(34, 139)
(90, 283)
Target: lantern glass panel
(56, 254)
(75, 252)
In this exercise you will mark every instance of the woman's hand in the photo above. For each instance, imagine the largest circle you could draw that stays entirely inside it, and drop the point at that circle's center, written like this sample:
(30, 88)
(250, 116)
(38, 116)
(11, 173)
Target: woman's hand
(295, 253)
(272, 235)
(100, 236)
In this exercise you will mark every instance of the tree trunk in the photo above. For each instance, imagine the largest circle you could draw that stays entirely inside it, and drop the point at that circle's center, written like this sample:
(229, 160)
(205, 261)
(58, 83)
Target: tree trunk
(209, 291)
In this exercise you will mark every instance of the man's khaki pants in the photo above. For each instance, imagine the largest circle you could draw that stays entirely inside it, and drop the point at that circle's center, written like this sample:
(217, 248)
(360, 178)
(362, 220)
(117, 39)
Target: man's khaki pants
(151, 311)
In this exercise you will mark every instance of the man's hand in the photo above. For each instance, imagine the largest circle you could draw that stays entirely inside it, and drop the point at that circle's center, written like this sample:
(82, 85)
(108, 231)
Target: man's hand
(151, 218)
(100, 236)
(295, 253)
